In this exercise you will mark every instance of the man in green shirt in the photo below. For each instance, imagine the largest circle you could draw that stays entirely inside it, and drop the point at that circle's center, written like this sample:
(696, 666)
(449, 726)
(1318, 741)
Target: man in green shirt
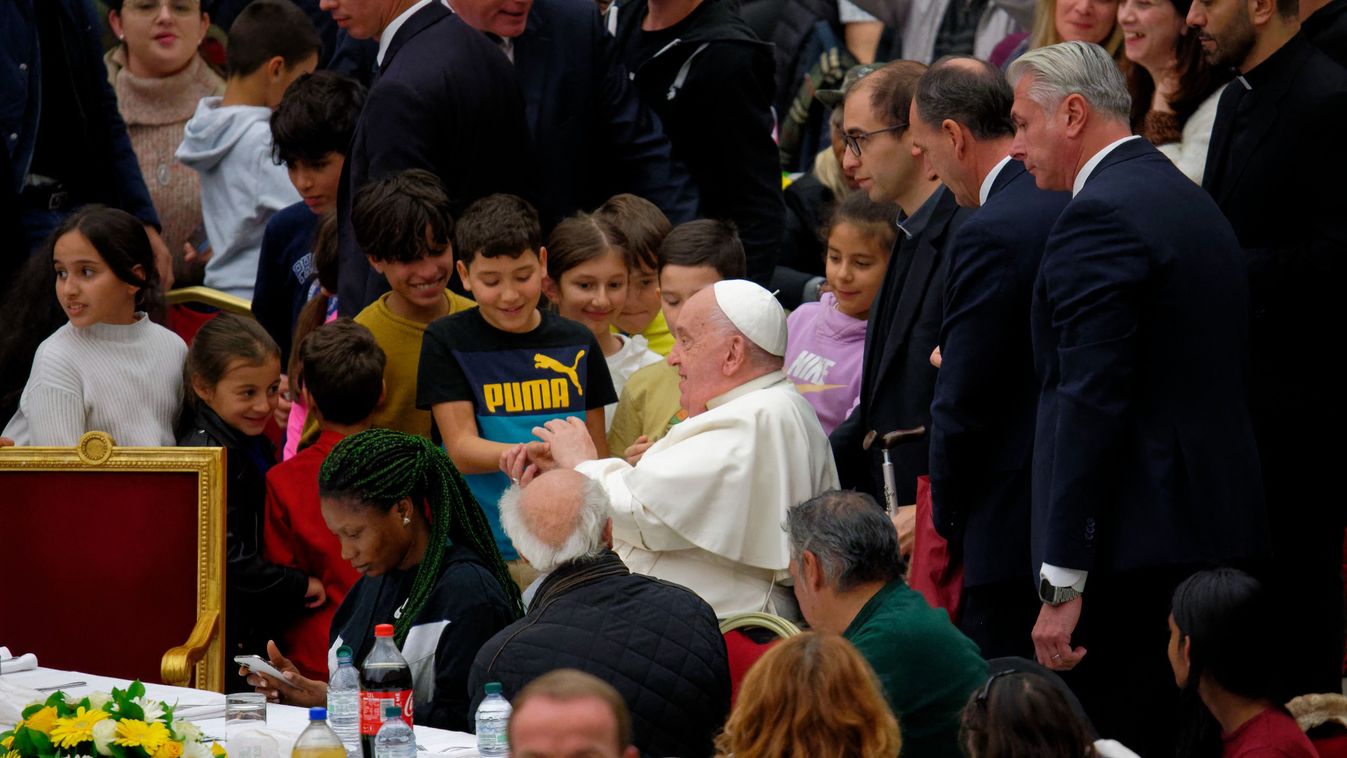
(849, 581)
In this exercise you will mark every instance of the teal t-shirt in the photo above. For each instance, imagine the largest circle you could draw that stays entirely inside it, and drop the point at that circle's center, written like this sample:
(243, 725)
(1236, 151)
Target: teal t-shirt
(515, 382)
(928, 668)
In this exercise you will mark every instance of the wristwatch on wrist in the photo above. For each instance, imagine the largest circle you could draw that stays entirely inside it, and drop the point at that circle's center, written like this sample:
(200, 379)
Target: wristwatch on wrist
(1055, 596)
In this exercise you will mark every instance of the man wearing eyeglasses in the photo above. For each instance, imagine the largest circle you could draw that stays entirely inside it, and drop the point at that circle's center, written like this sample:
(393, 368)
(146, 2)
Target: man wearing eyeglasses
(897, 379)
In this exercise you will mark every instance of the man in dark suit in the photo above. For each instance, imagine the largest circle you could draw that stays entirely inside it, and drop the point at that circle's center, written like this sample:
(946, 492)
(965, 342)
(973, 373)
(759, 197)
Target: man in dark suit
(897, 378)
(444, 100)
(593, 136)
(1274, 168)
(1144, 459)
(982, 414)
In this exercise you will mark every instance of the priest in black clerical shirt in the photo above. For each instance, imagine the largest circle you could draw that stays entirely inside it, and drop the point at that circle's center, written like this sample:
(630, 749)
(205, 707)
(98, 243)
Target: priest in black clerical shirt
(1275, 167)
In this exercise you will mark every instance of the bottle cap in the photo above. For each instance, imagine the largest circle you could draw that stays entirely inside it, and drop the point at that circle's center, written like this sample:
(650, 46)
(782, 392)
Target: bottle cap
(493, 688)
(391, 711)
(383, 630)
(318, 714)
(344, 653)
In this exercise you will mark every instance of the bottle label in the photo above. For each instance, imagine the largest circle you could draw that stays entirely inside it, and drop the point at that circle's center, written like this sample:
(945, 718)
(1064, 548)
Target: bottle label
(371, 708)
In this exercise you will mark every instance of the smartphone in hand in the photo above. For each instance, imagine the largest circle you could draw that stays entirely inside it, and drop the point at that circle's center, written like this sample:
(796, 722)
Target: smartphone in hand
(258, 663)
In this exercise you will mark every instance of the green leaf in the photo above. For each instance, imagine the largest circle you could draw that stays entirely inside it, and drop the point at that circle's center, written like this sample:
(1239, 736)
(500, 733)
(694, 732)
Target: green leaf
(137, 689)
(117, 751)
(33, 742)
(133, 711)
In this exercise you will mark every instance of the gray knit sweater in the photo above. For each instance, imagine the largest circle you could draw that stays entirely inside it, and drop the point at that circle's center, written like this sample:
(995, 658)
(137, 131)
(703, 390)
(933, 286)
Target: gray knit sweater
(125, 380)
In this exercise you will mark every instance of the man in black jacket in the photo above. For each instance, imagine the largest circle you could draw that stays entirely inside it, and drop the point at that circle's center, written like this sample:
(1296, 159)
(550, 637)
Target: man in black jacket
(63, 143)
(657, 643)
(1273, 167)
(897, 378)
(710, 81)
(444, 100)
(982, 415)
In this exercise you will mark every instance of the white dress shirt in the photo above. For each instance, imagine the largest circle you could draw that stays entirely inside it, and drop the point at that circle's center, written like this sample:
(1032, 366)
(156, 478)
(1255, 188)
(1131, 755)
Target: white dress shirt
(386, 36)
(1094, 162)
(990, 179)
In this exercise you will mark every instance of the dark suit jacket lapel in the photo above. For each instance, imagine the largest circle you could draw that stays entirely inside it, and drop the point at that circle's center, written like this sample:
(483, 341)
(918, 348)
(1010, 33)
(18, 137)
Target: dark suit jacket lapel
(412, 27)
(880, 321)
(1009, 173)
(925, 259)
(531, 69)
(1127, 151)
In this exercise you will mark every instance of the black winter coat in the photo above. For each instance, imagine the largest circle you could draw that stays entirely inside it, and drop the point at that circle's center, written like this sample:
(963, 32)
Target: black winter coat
(656, 642)
(260, 596)
(712, 87)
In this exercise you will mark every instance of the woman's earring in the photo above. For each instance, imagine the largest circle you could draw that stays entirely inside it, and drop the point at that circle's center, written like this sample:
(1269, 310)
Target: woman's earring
(406, 521)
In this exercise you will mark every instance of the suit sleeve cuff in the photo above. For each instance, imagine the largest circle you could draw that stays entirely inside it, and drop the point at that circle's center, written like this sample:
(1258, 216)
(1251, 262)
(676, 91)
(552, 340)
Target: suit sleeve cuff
(1064, 577)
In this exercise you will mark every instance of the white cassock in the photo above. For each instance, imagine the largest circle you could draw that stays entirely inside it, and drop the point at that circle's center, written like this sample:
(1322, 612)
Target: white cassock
(706, 505)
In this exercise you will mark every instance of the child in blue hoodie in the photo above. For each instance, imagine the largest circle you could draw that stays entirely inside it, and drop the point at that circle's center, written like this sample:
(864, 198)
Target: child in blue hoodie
(228, 140)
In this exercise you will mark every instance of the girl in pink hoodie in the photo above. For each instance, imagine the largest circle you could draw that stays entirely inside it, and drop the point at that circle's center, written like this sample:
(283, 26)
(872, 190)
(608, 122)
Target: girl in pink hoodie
(827, 339)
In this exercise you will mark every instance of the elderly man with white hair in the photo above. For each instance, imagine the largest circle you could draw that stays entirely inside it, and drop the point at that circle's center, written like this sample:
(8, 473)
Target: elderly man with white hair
(656, 643)
(704, 506)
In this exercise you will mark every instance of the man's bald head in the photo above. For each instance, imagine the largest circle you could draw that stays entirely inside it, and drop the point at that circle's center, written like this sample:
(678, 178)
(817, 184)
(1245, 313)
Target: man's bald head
(562, 516)
(711, 354)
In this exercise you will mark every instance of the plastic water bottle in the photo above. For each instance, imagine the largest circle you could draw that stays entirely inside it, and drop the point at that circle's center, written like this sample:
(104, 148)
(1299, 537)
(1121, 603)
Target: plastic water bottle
(493, 716)
(318, 740)
(395, 739)
(343, 702)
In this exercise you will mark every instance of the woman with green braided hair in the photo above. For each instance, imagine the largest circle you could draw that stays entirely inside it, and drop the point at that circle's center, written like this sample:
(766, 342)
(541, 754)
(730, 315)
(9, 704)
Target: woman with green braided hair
(428, 564)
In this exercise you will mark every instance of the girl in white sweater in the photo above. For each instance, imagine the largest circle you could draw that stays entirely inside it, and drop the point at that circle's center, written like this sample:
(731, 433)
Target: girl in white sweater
(109, 368)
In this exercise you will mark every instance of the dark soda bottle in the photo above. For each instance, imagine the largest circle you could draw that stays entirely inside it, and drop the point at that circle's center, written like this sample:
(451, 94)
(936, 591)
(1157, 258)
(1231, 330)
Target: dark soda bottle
(384, 676)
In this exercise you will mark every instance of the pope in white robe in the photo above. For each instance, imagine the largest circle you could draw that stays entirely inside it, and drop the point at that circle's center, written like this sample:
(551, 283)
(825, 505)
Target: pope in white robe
(704, 506)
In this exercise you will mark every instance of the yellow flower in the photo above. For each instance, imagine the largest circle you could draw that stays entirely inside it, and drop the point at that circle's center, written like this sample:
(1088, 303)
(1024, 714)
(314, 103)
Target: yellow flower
(73, 730)
(136, 733)
(218, 750)
(170, 749)
(41, 721)
(6, 742)
(12, 754)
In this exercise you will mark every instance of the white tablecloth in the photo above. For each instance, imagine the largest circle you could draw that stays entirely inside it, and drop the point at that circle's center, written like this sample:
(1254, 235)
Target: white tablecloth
(206, 709)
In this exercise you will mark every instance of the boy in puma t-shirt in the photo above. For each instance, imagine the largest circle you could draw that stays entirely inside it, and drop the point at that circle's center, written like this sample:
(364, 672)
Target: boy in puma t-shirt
(490, 374)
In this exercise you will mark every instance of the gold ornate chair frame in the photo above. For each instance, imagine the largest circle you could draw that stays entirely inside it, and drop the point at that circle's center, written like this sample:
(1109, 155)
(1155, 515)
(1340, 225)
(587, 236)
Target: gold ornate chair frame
(212, 297)
(199, 661)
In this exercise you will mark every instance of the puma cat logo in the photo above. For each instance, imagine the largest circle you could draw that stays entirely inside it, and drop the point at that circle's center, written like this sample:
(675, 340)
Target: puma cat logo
(551, 364)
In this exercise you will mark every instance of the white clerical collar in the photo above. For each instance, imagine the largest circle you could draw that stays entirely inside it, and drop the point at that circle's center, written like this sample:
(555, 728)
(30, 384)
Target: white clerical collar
(386, 36)
(1094, 162)
(990, 179)
(752, 385)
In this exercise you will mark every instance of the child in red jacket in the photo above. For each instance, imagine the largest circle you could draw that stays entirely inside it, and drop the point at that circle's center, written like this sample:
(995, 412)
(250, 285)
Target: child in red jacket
(341, 378)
